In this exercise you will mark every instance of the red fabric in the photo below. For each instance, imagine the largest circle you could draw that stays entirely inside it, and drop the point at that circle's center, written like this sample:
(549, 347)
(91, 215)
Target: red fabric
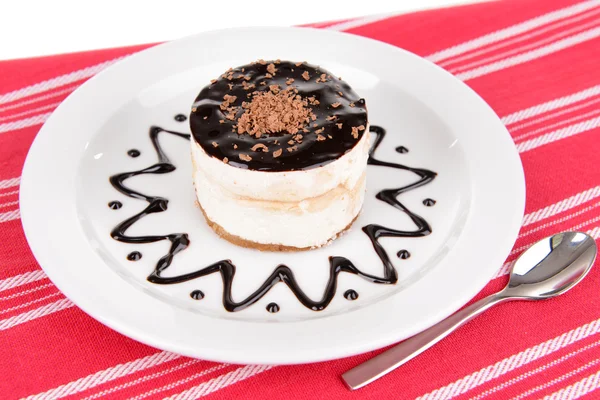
(541, 51)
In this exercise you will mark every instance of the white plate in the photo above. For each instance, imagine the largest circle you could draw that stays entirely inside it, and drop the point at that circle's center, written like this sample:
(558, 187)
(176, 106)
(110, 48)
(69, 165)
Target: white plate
(449, 129)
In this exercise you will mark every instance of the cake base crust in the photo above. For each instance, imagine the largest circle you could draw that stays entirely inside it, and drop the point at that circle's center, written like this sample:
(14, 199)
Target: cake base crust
(238, 241)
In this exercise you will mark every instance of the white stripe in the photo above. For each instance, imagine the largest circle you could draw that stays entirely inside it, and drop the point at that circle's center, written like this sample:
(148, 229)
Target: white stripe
(9, 193)
(179, 382)
(31, 111)
(554, 115)
(355, 23)
(546, 128)
(10, 203)
(106, 375)
(559, 134)
(576, 390)
(28, 291)
(25, 305)
(522, 49)
(595, 233)
(56, 82)
(10, 215)
(37, 99)
(10, 182)
(537, 370)
(559, 220)
(222, 381)
(511, 31)
(538, 32)
(530, 55)
(142, 379)
(562, 205)
(24, 123)
(551, 105)
(513, 362)
(22, 279)
(33, 314)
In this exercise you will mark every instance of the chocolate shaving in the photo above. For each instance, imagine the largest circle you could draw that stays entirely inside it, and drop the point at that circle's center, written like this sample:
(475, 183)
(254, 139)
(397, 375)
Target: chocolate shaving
(319, 130)
(331, 117)
(336, 105)
(305, 75)
(291, 142)
(289, 81)
(271, 69)
(215, 144)
(320, 138)
(245, 157)
(277, 153)
(355, 132)
(260, 146)
(274, 111)
(293, 148)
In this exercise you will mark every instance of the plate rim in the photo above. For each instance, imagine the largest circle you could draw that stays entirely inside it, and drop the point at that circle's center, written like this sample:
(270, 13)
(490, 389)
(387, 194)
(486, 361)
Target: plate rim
(27, 206)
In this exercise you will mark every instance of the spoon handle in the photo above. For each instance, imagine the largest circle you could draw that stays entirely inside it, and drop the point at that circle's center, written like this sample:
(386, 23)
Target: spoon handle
(391, 359)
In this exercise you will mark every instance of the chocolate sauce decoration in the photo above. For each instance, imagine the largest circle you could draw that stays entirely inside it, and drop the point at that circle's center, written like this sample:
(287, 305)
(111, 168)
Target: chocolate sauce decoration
(282, 273)
(351, 294)
(133, 153)
(197, 295)
(207, 128)
(273, 308)
(403, 254)
(401, 149)
(429, 202)
(134, 256)
(115, 205)
(180, 117)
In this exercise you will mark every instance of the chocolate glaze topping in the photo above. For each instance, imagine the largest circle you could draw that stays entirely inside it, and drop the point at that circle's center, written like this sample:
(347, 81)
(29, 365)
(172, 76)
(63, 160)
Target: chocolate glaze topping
(331, 100)
(281, 273)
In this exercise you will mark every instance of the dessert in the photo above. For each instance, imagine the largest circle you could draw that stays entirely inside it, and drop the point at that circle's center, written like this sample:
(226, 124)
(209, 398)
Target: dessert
(279, 153)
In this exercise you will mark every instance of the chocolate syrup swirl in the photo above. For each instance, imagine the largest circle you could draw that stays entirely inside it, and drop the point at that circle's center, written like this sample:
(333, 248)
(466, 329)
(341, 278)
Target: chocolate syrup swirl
(209, 123)
(282, 273)
(429, 202)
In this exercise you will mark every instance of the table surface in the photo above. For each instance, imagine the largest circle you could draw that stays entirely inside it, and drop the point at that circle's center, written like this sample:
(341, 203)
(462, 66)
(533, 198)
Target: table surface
(64, 26)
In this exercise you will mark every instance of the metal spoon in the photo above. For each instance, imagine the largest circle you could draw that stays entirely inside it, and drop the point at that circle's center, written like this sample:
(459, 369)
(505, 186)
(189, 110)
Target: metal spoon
(547, 269)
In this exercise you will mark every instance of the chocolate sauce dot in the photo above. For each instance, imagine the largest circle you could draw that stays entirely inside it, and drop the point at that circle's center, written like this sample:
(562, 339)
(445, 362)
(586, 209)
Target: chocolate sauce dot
(134, 256)
(273, 308)
(429, 202)
(403, 254)
(115, 205)
(351, 294)
(401, 149)
(197, 295)
(133, 153)
(180, 118)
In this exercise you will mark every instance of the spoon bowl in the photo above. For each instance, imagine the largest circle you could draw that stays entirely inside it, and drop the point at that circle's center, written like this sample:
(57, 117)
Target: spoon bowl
(551, 266)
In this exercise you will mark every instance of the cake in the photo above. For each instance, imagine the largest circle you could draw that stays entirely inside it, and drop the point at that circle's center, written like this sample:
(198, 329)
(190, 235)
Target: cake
(279, 153)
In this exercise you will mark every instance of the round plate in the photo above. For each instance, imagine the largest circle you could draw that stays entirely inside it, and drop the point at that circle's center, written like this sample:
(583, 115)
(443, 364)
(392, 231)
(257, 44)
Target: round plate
(447, 128)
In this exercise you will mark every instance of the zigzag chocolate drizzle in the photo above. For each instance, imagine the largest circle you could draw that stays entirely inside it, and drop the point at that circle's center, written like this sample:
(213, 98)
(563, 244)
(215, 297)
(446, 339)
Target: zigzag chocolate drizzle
(282, 273)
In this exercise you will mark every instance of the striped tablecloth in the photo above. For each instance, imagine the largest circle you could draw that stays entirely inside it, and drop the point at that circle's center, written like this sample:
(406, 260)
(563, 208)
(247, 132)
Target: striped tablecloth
(536, 62)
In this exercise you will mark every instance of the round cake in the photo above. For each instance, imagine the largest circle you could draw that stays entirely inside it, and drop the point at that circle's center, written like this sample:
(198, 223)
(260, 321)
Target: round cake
(279, 153)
